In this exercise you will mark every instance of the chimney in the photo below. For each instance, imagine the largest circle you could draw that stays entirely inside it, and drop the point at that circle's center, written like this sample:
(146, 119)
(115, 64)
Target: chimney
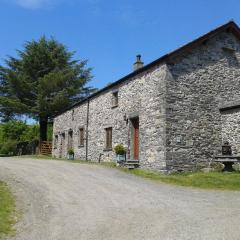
(138, 64)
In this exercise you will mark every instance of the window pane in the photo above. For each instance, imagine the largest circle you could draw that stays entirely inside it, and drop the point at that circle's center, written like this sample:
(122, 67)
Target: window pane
(115, 99)
(109, 138)
(70, 140)
(81, 137)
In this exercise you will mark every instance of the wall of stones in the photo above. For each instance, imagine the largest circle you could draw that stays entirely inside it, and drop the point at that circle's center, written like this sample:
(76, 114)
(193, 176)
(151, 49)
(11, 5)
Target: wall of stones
(231, 128)
(142, 96)
(70, 120)
(198, 83)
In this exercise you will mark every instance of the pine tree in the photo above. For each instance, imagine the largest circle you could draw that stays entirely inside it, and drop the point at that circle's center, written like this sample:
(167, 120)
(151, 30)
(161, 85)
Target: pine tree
(42, 80)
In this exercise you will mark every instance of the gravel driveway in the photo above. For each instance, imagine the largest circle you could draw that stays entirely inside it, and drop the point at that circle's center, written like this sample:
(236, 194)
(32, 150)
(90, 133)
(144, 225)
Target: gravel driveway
(64, 201)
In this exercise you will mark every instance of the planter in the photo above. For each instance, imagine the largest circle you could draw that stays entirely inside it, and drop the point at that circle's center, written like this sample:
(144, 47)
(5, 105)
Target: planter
(70, 157)
(120, 158)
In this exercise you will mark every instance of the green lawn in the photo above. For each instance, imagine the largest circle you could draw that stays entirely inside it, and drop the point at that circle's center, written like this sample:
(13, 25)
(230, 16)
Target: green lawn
(212, 180)
(7, 209)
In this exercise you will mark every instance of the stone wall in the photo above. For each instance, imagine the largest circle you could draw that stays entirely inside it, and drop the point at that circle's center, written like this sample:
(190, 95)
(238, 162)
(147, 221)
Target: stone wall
(197, 84)
(143, 97)
(70, 120)
(178, 105)
(231, 128)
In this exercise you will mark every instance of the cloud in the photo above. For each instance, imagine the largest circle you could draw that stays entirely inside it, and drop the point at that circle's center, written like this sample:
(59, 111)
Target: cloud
(34, 4)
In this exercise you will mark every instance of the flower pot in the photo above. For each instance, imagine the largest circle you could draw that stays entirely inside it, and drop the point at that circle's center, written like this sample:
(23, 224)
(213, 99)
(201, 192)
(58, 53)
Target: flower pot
(120, 158)
(70, 156)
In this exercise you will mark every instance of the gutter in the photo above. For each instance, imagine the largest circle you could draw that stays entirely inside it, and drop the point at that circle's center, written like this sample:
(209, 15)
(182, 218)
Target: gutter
(88, 102)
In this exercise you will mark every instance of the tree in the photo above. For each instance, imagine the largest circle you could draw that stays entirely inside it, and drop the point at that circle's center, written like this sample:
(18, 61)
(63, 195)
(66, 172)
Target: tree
(10, 135)
(13, 130)
(42, 80)
(13, 133)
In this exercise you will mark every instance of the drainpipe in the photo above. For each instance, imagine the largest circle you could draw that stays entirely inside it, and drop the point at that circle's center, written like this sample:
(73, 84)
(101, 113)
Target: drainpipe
(87, 130)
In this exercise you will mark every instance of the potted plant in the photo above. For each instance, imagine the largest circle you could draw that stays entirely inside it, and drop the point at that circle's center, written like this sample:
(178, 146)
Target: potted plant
(120, 153)
(70, 154)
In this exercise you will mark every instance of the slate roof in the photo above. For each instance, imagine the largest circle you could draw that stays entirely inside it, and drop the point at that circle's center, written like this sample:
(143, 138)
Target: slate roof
(230, 26)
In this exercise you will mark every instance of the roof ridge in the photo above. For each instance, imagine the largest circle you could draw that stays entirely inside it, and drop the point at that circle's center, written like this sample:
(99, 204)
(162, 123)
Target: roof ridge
(230, 24)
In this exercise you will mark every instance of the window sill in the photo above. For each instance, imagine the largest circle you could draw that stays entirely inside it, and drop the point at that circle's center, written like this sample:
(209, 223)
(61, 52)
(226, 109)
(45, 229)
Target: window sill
(115, 106)
(107, 149)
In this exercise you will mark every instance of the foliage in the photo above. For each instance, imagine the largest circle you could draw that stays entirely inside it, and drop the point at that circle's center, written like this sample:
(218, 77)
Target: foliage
(119, 149)
(70, 152)
(43, 80)
(49, 132)
(9, 147)
(15, 132)
(7, 208)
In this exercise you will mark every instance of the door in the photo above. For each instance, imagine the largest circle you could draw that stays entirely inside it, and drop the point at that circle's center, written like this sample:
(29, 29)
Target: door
(62, 144)
(135, 135)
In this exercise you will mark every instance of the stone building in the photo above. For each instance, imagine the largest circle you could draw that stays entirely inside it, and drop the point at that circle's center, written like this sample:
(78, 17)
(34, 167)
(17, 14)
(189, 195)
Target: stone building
(172, 114)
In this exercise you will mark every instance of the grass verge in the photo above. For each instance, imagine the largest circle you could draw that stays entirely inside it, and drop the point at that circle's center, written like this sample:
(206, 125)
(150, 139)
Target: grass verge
(7, 209)
(212, 180)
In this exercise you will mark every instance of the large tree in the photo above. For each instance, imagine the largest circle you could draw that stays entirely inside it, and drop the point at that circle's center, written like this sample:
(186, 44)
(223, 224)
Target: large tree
(42, 80)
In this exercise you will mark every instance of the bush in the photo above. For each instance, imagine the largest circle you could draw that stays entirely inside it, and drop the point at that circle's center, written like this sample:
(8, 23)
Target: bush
(9, 147)
(217, 166)
(236, 167)
(70, 152)
(17, 136)
(119, 149)
(13, 130)
(30, 134)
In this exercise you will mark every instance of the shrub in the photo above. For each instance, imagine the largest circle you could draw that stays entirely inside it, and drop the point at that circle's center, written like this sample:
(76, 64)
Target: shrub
(119, 149)
(70, 152)
(9, 147)
(13, 130)
(217, 166)
(236, 167)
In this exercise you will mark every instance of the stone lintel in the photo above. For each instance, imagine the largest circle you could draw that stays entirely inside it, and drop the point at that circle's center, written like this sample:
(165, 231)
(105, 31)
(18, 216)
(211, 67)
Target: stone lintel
(230, 105)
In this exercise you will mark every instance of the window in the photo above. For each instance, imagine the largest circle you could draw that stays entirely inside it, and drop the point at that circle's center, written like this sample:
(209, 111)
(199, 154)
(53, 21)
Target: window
(81, 137)
(73, 115)
(55, 141)
(70, 139)
(108, 138)
(115, 99)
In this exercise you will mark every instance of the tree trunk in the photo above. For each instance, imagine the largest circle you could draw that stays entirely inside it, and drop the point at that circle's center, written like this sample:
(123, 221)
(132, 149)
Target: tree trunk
(43, 122)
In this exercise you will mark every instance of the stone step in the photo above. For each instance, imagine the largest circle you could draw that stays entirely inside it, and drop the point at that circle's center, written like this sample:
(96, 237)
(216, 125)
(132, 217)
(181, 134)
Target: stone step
(131, 164)
(132, 161)
(126, 164)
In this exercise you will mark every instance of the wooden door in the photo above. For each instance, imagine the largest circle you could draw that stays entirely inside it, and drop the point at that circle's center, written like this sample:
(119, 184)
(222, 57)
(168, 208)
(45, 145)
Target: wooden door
(135, 123)
(62, 145)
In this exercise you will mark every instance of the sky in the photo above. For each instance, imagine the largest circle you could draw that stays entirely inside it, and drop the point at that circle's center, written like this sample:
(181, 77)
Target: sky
(109, 34)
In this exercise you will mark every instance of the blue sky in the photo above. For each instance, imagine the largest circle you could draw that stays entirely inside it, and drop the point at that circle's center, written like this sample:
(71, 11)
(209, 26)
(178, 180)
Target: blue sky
(111, 33)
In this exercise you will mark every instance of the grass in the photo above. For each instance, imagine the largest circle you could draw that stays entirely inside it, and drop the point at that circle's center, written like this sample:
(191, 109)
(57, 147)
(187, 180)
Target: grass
(7, 209)
(212, 180)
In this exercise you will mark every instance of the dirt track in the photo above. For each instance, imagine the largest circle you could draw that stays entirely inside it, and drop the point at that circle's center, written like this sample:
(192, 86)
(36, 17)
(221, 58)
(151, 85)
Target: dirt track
(64, 201)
